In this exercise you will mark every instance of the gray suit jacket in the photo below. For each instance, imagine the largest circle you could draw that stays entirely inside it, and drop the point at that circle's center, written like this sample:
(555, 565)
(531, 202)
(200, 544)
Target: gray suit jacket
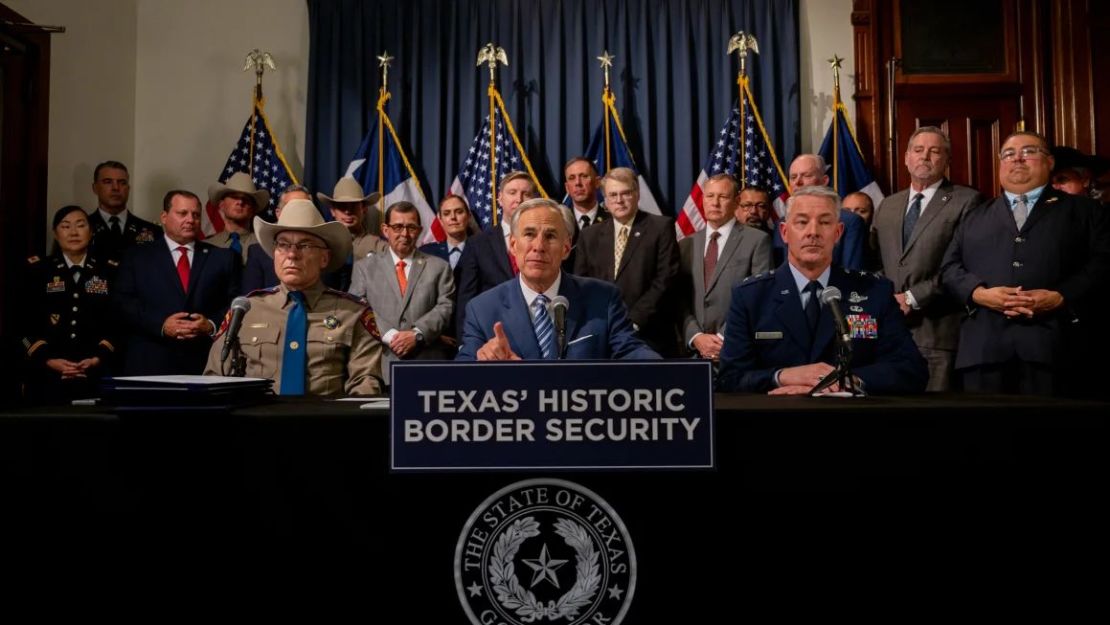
(747, 252)
(426, 304)
(917, 267)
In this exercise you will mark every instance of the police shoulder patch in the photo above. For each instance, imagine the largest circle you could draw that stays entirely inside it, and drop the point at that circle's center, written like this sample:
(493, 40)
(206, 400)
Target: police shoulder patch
(369, 322)
(224, 324)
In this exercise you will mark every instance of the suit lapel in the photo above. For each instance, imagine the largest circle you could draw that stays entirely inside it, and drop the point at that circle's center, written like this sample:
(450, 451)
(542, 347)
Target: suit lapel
(722, 260)
(826, 329)
(518, 323)
(575, 314)
(635, 233)
(605, 253)
(417, 270)
(1045, 203)
(935, 206)
(788, 307)
(697, 264)
(200, 258)
(501, 252)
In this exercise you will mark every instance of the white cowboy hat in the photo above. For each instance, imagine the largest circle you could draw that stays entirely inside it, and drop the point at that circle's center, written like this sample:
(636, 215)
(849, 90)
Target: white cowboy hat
(348, 190)
(303, 216)
(239, 182)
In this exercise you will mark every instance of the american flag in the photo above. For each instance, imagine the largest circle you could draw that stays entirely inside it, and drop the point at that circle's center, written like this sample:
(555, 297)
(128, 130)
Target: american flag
(761, 166)
(473, 180)
(262, 159)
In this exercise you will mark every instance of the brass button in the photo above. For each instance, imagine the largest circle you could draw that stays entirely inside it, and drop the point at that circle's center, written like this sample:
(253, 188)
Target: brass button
(294, 345)
(330, 338)
(254, 339)
(74, 309)
(72, 336)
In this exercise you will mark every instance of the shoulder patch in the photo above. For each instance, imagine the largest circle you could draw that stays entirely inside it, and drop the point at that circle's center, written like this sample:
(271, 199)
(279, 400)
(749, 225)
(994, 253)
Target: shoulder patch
(369, 322)
(32, 260)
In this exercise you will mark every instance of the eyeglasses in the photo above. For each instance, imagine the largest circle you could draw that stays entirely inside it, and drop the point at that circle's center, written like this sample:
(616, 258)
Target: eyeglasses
(620, 195)
(399, 228)
(1029, 152)
(751, 205)
(287, 247)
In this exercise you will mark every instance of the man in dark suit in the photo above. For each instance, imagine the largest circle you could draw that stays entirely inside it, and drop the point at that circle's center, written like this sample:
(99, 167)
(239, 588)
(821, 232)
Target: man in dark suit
(514, 320)
(1030, 266)
(913, 229)
(713, 261)
(115, 228)
(582, 184)
(173, 293)
(779, 338)
(486, 261)
(809, 170)
(259, 271)
(637, 252)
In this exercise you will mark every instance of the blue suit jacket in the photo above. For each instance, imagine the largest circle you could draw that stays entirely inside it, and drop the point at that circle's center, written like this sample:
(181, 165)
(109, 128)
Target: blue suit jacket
(259, 270)
(767, 331)
(597, 322)
(484, 265)
(148, 290)
(849, 250)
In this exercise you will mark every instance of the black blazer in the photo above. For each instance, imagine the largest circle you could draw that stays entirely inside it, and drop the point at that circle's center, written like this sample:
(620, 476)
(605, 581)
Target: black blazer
(1063, 246)
(648, 272)
(484, 265)
(148, 290)
(259, 270)
(137, 232)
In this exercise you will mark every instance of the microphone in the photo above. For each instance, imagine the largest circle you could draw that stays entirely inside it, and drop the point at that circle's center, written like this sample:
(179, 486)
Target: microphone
(830, 298)
(559, 305)
(239, 307)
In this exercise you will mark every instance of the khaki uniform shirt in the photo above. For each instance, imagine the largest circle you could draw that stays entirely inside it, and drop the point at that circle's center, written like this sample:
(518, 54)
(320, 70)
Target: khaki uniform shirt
(223, 239)
(344, 347)
(367, 244)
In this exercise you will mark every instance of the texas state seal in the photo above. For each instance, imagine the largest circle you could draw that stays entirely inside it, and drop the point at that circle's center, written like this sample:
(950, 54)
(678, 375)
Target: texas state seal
(545, 550)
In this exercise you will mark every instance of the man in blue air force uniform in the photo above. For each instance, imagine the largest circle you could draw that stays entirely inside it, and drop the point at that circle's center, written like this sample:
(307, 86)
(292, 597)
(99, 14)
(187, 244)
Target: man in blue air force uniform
(779, 338)
(513, 321)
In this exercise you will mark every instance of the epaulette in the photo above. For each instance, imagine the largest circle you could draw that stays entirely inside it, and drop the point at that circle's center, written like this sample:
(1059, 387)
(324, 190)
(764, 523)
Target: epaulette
(264, 291)
(32, 260)
(344, 295)
(757, 278)
(369, 322)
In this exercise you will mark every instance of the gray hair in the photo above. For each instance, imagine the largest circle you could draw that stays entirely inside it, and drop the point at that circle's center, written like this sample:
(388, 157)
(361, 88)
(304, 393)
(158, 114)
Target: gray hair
(538, 203)
(816, 191)
(936, 131)
(818, 160)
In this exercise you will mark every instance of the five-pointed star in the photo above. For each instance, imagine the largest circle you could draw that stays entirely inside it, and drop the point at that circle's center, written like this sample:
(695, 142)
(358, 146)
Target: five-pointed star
(545, 568)
(835, 62)
(606, 59)
(615, 592)
(384, 60)
(475, 589)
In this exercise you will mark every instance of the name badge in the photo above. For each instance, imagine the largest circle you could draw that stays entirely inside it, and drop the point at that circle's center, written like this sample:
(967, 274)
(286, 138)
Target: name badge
(768, 336)
(863, 326)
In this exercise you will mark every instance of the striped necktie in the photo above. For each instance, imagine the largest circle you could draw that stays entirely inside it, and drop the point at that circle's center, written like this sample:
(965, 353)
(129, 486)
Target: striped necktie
(545, 329)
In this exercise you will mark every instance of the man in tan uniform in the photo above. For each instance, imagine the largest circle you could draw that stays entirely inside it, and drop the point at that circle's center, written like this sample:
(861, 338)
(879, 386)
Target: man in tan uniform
(239, 201)
(342, 350)
(357, 211)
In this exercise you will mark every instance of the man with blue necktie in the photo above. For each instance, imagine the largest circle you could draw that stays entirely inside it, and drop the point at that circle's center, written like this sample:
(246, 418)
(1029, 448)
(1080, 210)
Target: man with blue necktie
(780, 339)
(238, 201)
(311, 340)
(515, 320)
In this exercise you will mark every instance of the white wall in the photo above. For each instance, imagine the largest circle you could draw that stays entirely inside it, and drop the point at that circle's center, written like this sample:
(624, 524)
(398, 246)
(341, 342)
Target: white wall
(158, 85)
(92, 91)
(825, 28)
(192, 97)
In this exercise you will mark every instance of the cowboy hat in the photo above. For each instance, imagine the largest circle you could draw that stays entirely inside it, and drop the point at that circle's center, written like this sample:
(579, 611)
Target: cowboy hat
(302, 216)
(348, 190)
(239, 182)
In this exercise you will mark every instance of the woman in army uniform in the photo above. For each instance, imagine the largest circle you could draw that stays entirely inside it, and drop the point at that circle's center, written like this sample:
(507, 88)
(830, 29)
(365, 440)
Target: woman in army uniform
(68, 336)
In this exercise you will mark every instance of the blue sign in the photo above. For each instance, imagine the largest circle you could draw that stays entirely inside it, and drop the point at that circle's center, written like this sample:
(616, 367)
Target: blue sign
(552, 415)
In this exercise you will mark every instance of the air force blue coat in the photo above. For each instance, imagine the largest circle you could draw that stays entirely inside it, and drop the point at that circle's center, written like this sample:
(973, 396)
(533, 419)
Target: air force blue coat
(597, 322)
(766, 330)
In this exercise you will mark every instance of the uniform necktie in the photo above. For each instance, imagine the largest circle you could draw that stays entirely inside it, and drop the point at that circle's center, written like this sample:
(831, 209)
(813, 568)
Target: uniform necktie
(584, 221)
(813, 306)
(235, 243)
(710, 264)
(545, 329)
(402, 281)
(622, 242)
(117, 230)
(183, 267)
(1021, 210)
(911, 218)
(75, 271)
(293, 356)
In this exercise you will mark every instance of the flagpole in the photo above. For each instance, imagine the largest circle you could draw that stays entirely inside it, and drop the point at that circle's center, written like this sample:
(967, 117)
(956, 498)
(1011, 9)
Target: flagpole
(741, 43)
(492, 55)
(383, 95)
(835, 62)
(608, 100)
(259, 61)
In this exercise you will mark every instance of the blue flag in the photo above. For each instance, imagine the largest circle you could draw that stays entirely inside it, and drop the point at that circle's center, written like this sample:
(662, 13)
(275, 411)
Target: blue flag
(617, 155)
(848, 172)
